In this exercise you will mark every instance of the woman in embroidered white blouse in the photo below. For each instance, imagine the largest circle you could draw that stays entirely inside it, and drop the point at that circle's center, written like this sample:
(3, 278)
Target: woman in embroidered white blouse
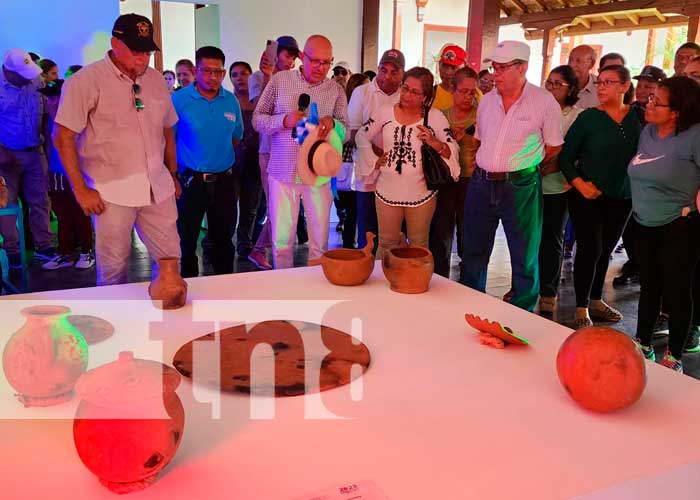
(401, 189)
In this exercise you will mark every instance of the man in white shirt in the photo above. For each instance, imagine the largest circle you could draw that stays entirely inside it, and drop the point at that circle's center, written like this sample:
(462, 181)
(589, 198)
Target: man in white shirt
(115, 138)
(276, 114)
(582, 59)
(519, 127)
(365, 101)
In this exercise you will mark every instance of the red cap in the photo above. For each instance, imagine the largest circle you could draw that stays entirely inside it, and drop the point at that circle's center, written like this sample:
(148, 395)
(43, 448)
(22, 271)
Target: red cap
(454, 55)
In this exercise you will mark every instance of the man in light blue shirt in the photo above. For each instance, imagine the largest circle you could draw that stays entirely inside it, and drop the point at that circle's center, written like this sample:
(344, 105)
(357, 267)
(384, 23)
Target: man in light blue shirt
(21, 153)
(210, 125)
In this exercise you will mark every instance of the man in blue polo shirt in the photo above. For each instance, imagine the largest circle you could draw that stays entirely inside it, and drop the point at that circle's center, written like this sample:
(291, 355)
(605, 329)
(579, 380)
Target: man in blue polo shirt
(210, 125)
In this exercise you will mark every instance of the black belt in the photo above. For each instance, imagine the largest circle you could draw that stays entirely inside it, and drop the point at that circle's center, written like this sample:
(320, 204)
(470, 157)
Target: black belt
(207, 177)
(504, 176)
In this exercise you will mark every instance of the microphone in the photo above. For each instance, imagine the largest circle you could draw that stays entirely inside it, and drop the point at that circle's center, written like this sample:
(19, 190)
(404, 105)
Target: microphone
(302, 105)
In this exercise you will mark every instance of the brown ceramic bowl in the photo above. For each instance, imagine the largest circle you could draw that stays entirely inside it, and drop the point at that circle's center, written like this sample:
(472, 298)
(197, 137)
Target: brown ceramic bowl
(347, 267)
(408, 269)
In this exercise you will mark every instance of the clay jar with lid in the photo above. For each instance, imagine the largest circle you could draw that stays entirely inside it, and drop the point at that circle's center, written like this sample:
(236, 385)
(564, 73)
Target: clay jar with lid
(129, 423)
(44, 359)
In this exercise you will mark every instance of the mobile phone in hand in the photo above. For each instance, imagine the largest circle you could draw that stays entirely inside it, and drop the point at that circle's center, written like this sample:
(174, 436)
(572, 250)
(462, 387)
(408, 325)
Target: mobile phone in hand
(271, 51)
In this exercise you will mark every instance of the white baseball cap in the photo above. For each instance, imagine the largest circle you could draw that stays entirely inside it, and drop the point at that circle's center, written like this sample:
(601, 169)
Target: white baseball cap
(18, 61)
(508, 51)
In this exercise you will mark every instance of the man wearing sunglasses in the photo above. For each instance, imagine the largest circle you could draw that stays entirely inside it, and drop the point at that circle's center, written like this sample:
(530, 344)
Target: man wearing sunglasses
(519, 128)
(276, 114)
(114, 134)
(210, 125)
(341, 73)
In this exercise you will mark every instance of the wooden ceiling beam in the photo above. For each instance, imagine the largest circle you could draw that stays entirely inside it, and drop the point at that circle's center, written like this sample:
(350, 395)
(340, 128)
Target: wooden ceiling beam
(541, 5)
(520, 6)
(609, 19)
(566, 16)
(634, 18)
(621, 25)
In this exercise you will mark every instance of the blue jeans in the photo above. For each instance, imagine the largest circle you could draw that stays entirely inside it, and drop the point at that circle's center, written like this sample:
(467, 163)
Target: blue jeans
(366, 218)
(518, 205)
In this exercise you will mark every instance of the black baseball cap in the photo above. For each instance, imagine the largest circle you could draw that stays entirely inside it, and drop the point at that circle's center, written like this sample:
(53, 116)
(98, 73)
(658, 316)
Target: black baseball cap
(651, 73)
(136, 32)
(394, 57)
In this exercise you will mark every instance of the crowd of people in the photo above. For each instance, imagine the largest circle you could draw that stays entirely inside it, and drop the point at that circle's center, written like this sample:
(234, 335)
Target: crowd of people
(117, 146)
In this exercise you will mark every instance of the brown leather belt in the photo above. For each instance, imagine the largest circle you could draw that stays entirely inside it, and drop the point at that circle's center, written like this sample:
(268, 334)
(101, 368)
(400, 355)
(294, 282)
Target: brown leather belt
(504, 176)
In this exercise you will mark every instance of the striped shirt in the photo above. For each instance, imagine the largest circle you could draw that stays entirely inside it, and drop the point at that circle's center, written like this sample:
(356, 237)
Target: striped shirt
(281, 97)
(588, 95)
(365, 101)
(515, 140)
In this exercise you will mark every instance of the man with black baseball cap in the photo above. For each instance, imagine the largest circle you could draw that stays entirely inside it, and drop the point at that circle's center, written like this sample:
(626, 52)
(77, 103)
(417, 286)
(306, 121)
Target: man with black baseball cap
(115, 138)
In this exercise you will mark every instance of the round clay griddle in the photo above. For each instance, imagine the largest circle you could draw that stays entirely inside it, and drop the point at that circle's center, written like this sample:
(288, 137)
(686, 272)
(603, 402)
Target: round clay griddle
(297, 348)
(94, 329)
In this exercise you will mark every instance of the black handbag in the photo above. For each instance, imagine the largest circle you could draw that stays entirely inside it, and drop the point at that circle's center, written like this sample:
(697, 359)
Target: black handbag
(435, 169)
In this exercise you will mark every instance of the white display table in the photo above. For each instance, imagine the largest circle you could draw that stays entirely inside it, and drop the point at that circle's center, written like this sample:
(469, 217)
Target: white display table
(440, 416)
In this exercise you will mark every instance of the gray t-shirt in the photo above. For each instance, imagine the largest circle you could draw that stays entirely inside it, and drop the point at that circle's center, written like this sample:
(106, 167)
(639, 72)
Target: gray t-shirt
(665, 176)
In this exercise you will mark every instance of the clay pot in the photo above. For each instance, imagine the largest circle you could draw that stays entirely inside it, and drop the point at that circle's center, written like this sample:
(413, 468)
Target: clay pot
(129, 423)
(45, 357)
(168, 290)
(348, 267)
(408, 269)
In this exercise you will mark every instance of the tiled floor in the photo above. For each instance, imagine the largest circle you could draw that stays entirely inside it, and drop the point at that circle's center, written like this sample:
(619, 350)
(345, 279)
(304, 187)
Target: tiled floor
(624, 299)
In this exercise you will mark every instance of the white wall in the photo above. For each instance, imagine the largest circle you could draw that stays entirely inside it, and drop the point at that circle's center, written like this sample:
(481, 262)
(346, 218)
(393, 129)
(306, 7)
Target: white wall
(178, 32)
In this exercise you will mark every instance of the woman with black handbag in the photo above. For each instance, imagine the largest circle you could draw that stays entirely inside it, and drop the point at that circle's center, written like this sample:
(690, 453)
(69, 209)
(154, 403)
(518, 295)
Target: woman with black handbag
(400, 131)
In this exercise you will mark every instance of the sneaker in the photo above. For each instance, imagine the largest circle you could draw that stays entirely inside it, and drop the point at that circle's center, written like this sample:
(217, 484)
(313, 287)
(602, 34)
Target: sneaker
(620, 248)
(85, 261)
(59, 262)
(661, 326)
(647, 351)
(509, 296)
(670, 362)
(548, 304)
(625, 279)
(15, 261)
(693, 342)
(45, 254)
(258, 258)
(607, 313)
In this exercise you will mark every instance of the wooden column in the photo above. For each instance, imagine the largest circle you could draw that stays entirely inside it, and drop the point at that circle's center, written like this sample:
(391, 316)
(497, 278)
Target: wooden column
(396, 30)
(548, 40)
(482, 34)
(651, 43)
(370, 35)
(157, 35)
(694, 29)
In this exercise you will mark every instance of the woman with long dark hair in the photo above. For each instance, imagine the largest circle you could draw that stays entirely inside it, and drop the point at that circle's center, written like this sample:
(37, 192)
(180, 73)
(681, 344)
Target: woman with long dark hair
(665, 178)
(594, 159)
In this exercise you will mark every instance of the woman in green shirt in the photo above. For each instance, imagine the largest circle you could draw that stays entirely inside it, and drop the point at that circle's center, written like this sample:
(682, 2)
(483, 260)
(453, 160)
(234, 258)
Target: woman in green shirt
(594, 159)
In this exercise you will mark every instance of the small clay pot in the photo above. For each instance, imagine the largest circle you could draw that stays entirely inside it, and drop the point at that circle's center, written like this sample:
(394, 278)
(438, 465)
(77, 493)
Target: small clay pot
(129, 423)
(168, 290)
(44, 359)
(408, 269)
(348, 267)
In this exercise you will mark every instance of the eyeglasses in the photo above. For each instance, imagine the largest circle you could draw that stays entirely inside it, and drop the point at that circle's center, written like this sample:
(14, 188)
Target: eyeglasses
(500, 68)
(555, 84)
(340, 72)
(317, 63)
(605, 83)
(655, 104)
(138, 103)
(413, 92)
(217, 72)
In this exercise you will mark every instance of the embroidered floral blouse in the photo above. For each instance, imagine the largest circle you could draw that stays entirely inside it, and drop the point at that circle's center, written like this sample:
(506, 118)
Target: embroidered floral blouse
(401, 181)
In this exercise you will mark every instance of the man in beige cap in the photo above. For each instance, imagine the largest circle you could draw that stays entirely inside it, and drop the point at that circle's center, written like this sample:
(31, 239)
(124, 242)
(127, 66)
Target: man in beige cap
(519, 128)
(22, 159)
